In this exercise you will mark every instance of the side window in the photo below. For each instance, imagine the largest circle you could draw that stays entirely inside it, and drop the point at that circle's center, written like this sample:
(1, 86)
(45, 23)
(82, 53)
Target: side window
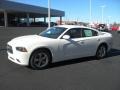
(89, 33)
(95, 33)
(74, 33)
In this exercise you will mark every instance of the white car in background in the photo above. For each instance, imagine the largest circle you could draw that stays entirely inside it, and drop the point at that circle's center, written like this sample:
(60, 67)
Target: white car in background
(58, 43)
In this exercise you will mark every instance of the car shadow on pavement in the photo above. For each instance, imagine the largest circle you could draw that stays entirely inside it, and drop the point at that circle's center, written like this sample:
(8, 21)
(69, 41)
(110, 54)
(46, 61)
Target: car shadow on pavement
(112, 53)
(72, 61)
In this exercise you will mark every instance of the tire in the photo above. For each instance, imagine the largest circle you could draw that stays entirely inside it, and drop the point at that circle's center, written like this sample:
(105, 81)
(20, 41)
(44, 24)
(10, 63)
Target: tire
(101, 52)
(40, 59)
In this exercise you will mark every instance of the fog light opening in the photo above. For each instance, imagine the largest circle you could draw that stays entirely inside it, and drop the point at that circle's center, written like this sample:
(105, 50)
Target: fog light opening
(18, 60)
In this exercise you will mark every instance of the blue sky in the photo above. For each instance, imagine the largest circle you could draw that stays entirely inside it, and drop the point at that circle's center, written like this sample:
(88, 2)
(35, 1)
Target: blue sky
(79, 9)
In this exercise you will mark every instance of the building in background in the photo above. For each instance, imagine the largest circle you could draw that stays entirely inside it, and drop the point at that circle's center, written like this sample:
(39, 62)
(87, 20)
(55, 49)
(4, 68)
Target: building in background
(18, 14)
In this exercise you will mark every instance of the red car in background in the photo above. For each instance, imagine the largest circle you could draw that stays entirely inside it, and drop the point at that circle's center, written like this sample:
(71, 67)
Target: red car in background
(114, 28)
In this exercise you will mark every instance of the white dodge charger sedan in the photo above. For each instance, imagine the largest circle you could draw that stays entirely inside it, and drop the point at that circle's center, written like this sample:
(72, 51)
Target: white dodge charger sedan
(58, 43)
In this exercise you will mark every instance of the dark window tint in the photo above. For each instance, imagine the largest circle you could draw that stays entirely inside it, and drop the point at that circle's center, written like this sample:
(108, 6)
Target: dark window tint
(74, 33)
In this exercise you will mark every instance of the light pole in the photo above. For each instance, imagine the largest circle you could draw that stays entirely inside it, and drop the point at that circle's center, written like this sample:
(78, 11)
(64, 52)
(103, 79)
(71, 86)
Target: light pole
(90, 11)
(102, 7)
(49, 17)
(109, 19)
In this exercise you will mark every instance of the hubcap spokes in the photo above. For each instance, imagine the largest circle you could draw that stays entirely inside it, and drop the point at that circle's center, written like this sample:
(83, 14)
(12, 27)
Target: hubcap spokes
(40, 60)
(102, 52)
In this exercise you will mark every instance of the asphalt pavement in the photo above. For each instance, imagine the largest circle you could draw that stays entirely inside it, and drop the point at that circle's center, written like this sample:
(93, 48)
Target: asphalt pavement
(79, 74)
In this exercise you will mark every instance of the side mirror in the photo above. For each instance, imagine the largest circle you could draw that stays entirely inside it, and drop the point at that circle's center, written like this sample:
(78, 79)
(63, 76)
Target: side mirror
(66, 37)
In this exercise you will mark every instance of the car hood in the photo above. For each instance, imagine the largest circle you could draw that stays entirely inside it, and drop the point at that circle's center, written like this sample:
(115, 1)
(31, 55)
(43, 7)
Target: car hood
(27, 40)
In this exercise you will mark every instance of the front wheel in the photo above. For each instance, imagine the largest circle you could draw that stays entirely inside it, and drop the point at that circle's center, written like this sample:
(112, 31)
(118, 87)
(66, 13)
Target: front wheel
(101, 52)
(39, 59)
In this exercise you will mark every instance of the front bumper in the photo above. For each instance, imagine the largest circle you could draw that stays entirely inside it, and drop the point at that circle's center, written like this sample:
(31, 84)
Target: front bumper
(21, 58)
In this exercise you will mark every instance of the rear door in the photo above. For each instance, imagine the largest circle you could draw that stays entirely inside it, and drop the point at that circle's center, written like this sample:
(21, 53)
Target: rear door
(91, 41)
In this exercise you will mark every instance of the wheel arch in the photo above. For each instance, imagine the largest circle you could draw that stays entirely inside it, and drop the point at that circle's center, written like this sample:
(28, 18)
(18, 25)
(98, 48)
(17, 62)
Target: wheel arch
(42, 48)
(103, 43)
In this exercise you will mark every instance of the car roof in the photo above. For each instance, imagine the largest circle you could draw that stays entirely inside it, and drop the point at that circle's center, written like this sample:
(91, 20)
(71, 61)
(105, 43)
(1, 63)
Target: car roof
(74, 26)
(70, 26)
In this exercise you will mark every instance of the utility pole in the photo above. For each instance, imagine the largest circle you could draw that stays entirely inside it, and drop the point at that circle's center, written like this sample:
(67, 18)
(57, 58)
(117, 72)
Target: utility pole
(90, 9)
(102, 7)
(49, 14)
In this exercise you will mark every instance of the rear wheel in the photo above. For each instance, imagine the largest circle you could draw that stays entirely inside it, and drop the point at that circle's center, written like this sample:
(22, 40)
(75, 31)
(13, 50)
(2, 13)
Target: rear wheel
(101, 52)
(40, 59)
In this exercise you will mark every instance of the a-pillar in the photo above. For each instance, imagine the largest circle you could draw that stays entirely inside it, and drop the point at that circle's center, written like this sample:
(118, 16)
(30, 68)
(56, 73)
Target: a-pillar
(60, 20)
(28, 22)
(5, 19)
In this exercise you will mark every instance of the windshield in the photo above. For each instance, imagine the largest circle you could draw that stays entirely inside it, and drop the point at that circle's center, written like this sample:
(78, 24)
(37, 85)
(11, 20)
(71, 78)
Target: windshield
(53, 32)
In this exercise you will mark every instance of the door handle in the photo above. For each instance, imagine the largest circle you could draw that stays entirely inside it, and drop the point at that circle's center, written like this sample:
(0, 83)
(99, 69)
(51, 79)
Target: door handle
(98, 40)
(82, 42)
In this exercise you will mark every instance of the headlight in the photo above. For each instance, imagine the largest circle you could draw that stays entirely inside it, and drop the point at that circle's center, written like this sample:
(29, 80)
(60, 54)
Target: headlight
(22, 49)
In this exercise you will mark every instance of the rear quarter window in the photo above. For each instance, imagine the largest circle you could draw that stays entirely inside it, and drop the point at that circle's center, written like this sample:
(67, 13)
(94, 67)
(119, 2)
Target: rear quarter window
(89, 33)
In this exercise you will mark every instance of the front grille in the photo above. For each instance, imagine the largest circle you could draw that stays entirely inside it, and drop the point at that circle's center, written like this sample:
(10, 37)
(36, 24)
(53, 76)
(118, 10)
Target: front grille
(9, 49)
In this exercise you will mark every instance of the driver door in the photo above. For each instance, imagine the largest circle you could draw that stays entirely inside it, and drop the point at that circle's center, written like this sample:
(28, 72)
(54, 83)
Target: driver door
(73, 47)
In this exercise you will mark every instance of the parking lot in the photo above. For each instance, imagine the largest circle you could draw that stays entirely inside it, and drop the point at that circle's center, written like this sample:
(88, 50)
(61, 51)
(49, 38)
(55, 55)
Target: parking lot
(79, 74)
